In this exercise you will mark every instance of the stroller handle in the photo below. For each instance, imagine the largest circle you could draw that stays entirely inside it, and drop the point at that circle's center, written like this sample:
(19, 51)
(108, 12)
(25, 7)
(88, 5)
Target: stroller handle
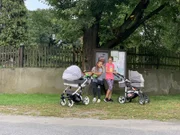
(119, 75)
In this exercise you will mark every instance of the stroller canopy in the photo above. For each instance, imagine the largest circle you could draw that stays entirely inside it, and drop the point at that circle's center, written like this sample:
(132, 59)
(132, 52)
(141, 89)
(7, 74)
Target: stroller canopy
(72, 73)
(135, 77)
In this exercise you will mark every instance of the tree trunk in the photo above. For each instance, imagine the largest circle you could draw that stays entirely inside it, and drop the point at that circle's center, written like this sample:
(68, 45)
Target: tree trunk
(121, 33)
(90, 43)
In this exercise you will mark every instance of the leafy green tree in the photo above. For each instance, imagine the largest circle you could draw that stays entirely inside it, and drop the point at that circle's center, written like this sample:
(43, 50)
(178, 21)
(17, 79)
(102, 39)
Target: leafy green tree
(161, 32)
(42, 24)
(108, 23)
(13, 22)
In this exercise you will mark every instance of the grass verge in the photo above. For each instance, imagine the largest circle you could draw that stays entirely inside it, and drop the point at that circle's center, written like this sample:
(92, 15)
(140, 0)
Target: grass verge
(162, 108)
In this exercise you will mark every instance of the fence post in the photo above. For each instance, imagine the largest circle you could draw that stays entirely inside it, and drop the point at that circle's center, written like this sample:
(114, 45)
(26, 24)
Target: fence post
(21, 56)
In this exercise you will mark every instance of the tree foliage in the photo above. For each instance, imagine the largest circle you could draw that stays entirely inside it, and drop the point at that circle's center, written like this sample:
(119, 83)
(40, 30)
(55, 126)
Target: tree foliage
(13, 22)
(118, 19)
(160, 33)
(42, 24)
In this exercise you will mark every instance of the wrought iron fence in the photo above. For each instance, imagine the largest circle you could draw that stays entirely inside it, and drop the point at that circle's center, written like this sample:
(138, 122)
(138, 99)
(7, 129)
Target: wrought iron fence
(63, 56)
(40, 56)
(9, 56)
(144, 58)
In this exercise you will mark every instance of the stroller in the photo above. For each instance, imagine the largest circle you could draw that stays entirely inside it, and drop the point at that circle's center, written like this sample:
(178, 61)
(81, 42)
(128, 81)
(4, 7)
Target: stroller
(73, 78)
(132, 87)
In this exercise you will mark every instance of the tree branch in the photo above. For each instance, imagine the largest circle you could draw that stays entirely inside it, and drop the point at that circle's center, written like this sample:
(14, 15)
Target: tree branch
(126, 17)
(135, 16)
(132, 23)
(156, 11)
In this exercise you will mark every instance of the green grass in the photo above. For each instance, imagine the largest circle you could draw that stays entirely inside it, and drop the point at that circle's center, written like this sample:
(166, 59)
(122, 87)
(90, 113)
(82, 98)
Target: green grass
(160, 108)
(28, 99)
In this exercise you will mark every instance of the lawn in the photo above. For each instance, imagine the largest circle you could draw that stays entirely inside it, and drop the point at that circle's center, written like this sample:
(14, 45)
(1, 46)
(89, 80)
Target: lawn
(162, 108)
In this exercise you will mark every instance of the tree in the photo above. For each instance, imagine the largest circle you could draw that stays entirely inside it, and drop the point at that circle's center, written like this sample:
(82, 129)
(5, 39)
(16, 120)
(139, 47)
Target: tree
(42, 25)
(107, 23)
(13, 25)
(160, 33)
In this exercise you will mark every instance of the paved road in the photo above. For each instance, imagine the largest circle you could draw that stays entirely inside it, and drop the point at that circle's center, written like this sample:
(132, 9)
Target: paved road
(26, 125)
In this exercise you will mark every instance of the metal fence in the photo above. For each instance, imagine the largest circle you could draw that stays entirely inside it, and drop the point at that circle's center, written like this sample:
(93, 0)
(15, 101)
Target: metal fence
(43, 56)
(9, 56)
(39, 56)
(142, 57)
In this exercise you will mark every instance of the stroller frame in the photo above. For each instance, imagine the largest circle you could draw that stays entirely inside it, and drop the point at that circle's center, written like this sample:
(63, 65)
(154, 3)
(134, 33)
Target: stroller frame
(131, 92)
(74, 96)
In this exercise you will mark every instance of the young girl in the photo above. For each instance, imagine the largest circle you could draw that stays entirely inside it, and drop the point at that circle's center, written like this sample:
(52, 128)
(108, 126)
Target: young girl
(109, 79)
(97, 81)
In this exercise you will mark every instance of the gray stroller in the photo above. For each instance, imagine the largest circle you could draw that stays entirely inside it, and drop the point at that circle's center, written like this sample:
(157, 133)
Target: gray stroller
(74, 78)
(132, 87)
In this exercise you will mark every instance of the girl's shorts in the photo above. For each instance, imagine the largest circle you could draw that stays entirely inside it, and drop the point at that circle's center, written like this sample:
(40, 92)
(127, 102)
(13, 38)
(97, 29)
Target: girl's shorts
(110, 83)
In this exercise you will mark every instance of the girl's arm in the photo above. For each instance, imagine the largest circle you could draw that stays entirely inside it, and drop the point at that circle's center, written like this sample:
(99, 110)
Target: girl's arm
(114, 71)
(97, 73)
(107, 71)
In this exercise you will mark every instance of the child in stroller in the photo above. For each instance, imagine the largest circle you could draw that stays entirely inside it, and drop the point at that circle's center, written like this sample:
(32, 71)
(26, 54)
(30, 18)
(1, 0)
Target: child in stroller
(74, 78)
(132, 87)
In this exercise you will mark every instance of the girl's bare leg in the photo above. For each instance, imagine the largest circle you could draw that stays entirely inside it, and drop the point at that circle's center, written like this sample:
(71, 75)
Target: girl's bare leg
(108, 93)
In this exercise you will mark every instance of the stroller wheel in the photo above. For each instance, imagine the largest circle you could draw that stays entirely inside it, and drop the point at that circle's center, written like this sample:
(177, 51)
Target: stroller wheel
(128, 100)
(63, 102)
(141, 99)
(122, 99)
(70, 103)
(146, 98)
(86, 100)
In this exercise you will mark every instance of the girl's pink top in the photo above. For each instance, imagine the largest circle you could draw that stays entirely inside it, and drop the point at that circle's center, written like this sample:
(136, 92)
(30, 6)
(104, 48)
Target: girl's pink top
(110, 69)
